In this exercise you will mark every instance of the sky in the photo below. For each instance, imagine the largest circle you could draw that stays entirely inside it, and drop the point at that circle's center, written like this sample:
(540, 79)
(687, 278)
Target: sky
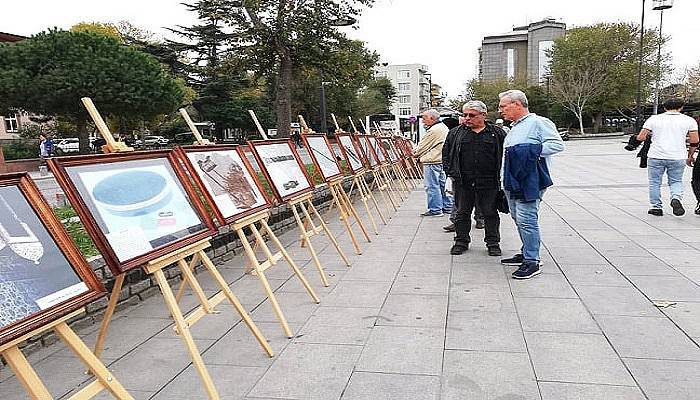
(443, 34)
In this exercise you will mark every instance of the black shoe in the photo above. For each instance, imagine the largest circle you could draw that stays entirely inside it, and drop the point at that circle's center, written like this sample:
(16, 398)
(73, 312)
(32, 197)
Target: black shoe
(479, 224)
(449, 228)
(459, 248)
(697, 209)
(678, 209)
(494, 250)
(527, 270)
(516, 260)
(432, 214)
(656, 211)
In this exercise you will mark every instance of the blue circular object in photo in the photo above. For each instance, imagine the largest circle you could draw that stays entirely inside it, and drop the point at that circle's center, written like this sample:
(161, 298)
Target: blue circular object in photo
(132, 193)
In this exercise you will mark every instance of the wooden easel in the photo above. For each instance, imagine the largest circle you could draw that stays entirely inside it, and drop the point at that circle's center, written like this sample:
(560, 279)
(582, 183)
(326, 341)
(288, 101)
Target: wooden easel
(198, 139)
(207, 305)
(387, 167)
(31, 382)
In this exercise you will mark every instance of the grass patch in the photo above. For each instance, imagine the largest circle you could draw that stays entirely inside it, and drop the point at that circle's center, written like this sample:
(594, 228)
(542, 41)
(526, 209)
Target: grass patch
(76, 230)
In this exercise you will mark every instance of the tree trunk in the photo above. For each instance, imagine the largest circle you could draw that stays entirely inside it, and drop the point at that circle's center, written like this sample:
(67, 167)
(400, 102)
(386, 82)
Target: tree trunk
(83, 137)
(597, 122)
(283, 95)
(579, 115)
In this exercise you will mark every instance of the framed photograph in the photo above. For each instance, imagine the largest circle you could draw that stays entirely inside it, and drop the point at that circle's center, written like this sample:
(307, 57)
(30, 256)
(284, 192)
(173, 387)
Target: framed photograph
(323, 156)
(136, 206)
(351, 152)
(283, 168)
(368, 150)
(43, 276)
(388, 147)
(227, 180)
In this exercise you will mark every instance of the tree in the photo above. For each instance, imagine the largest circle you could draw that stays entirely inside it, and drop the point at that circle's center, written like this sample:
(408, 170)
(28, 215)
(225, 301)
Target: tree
(49, 73)
(594, 68)
(282, 36)
(376, 98)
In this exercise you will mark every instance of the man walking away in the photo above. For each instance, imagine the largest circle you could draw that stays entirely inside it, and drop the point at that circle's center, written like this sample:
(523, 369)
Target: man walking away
(528, 146)
(472, 158)
(668, 154)
(429, 152)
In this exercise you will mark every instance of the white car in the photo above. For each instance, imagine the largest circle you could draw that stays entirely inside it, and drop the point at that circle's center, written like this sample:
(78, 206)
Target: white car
(154, 141)
(67, 146)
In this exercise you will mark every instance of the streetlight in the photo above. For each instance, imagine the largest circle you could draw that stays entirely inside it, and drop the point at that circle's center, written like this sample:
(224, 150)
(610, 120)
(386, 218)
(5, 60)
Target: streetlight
(638, 113)
(660, 5)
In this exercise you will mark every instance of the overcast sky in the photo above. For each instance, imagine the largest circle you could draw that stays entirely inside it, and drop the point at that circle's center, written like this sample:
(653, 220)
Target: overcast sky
(443, 34)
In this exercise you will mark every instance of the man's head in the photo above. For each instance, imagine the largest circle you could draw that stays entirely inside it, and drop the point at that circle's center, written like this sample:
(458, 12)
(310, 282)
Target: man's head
(513, 105)
(430, 117)
(474, 114)
(674, 104)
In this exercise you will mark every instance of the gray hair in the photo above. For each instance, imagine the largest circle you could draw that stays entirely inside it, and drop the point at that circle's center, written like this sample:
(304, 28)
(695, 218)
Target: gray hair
(475, 105)
(515, 95)
(432, 113)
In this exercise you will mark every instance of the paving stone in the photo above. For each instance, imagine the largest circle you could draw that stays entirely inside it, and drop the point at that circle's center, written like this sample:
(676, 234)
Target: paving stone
(240, 348)
(438, 247)
(577, 391)
(667, 288)
(555, 315)
(492, 297)
(386, 351)
(421, 283)
(308, 371)
(642, 266)
(488, 376)
(373, 270)
(345, 316)
(296, 307)
(357, 294)
(545, 285)
(414, 310)
(616, 301)
(686, 316)
(576, 255)
(231, 382)
(484, 331)
(427, 263)
(594, 275)
(382, 386)
(666, 380)
(576, 358)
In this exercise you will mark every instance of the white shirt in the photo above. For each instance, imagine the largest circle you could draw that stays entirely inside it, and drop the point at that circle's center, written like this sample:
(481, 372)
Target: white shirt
(669, 131)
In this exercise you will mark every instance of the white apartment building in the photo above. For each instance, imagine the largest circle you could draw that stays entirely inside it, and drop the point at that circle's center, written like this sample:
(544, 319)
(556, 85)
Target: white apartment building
(412, 84)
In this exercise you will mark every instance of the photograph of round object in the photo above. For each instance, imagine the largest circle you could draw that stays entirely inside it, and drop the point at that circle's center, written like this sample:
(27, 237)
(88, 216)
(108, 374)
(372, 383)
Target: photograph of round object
(132, 193)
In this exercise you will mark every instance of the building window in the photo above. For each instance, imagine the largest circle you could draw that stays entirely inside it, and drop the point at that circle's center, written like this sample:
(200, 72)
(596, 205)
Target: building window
(11, 124)
(404, 99)
(404, 111)
(404, 74)
(510, 63)
(404, 87)
(381, 74)
(544, 58)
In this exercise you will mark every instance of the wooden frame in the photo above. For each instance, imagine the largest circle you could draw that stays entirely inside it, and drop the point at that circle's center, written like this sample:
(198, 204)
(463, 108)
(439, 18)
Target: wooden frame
(368, 149)
(388, 152)
(347, 156)
(218, 214)
(60, 166)
(263, 167)
(315, 160)
(65, 244)
(375, 144)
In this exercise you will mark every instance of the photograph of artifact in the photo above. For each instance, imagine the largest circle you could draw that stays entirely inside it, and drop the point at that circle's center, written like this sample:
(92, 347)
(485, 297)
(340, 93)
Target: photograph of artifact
(323, 156)
(366, 148)
(282, 168)
(388, 148)
(35, 274)
(226, 178)
(351, 155)
(377, 149)
(139, 205)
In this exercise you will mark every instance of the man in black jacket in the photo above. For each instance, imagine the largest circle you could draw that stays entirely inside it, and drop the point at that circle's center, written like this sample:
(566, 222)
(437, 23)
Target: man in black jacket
(472, 157)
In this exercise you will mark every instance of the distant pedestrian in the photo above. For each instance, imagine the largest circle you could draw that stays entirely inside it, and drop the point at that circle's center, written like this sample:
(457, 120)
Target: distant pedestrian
(472, 159)
(429, 152)
(46, 148)
(499, 123)
(528, 146)
(668, 154)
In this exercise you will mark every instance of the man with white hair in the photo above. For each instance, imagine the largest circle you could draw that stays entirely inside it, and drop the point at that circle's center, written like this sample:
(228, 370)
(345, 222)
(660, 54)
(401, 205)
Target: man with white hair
(429, 152)
(472, 158)
(528, 146)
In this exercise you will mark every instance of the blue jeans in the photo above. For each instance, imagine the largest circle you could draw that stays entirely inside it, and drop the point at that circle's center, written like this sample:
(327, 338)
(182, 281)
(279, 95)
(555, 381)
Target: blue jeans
(435, 188)
(674, 172)
(525, 214)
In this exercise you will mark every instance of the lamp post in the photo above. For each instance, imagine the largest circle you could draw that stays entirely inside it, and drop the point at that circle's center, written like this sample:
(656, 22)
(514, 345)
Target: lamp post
(660, 5)
(638, 114)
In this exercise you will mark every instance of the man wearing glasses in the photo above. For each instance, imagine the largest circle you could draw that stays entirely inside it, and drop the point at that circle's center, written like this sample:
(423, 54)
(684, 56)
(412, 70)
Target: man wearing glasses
(472, 158)
(531, 141)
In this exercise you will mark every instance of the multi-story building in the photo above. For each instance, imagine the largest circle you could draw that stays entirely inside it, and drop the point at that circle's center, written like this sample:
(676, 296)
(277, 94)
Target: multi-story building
(10, 124)
(520, 54)
(412, 84)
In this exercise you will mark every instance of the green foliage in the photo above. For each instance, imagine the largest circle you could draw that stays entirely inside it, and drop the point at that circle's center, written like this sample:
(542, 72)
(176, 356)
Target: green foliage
(76, 230)
(376, 98)
(20, 149)
(100, 28)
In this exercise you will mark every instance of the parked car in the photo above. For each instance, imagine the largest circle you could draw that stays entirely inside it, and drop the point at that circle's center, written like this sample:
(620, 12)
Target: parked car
(564, 133)
(155, 141)
(67, 146)
(187, 138)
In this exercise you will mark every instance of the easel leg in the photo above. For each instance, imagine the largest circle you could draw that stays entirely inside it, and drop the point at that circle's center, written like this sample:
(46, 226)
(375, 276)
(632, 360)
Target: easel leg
(266, 285)
(236, 304)
(367, 193)
(183, 284)
(306, 238)
(113, 299)
(98, 369)
(363, 198)
(345, 215)
(351, 209)
(194, 284)
(26, 374)
(185, 334)
(325, 228)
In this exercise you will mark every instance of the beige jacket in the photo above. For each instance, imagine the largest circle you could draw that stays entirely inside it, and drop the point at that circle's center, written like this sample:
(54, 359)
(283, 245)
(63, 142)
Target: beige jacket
(429, 149)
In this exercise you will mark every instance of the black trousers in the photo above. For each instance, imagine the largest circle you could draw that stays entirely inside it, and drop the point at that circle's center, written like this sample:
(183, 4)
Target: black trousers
(466, 198)
(695, 182)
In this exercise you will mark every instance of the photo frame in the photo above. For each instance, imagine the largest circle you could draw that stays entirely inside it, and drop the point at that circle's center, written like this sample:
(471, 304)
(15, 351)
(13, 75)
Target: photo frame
(323, 156)
(226, 179)
(388, 148)
(279, 161)
(43, 275)
(136, 206)
(351, 152)
(368, 150)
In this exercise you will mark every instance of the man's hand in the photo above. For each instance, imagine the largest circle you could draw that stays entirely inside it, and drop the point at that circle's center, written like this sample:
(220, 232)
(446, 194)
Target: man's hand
(690, 161)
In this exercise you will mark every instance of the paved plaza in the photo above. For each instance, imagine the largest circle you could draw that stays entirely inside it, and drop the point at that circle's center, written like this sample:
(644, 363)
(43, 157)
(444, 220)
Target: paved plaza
(615, 315)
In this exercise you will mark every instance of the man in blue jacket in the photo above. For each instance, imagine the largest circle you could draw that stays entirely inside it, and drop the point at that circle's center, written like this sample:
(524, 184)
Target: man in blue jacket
(532, 140)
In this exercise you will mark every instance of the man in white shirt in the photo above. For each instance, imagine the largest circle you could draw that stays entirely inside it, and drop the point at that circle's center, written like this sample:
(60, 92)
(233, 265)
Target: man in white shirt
(668, 153)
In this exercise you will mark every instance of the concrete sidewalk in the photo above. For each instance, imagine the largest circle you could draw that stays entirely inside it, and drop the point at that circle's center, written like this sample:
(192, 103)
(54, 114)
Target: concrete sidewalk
(409, 321)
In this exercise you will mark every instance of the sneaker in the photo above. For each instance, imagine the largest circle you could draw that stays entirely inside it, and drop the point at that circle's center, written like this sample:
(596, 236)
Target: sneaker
(494, 251)
(678, 209)
(656, 211)
(449, 228)
(527, 271)
(479, 224)
(458, 249)
(432, 214)
(697, 209)
(447, 211)
(516, 260)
